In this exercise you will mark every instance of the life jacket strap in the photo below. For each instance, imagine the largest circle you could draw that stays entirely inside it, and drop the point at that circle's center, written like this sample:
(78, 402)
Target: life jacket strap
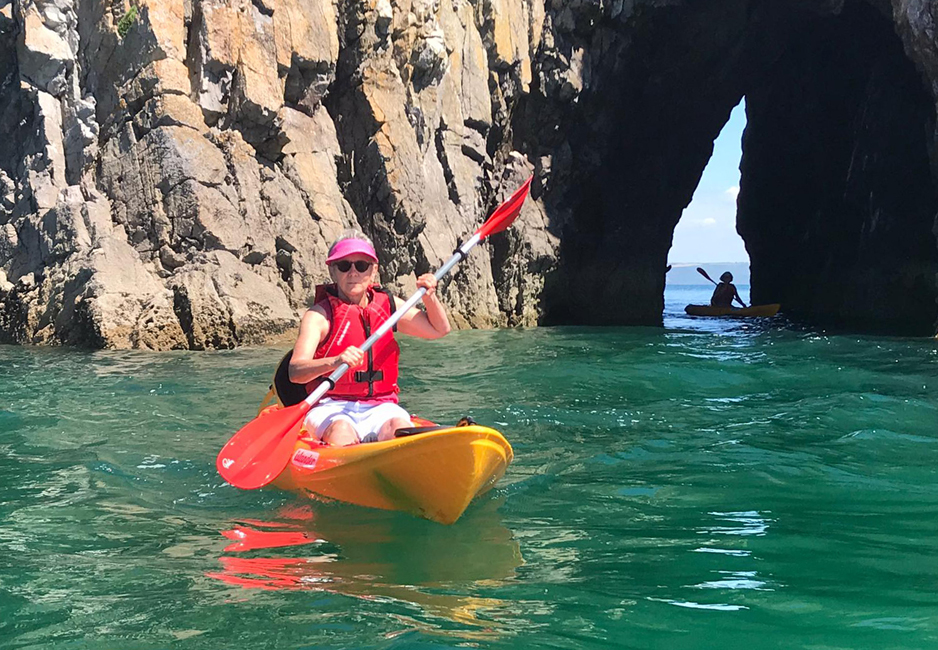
(369, 376)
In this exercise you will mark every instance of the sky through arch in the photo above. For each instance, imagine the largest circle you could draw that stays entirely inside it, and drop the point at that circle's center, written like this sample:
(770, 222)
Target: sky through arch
(707, 229)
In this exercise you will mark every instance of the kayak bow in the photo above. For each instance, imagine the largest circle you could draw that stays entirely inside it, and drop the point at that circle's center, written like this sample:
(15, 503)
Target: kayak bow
(435, 474)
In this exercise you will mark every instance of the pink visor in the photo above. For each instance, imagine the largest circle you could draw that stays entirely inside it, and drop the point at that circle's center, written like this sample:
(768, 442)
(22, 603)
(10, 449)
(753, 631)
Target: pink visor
(348, 247)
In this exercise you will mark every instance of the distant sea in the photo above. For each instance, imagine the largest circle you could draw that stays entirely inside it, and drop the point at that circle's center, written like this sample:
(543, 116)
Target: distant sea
(686, 273)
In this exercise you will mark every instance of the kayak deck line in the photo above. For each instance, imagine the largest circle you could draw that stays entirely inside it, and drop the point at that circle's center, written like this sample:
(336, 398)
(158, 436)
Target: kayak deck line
(734, 312)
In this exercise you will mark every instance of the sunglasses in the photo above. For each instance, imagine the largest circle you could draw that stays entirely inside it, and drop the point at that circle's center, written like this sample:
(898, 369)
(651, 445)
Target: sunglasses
(344, 266)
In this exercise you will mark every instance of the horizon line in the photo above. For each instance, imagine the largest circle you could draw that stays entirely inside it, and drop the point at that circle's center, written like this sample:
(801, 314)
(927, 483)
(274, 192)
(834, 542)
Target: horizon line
(699, 263)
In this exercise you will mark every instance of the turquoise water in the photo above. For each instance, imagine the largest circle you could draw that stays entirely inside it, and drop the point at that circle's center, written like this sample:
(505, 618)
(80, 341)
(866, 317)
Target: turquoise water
(712, 484)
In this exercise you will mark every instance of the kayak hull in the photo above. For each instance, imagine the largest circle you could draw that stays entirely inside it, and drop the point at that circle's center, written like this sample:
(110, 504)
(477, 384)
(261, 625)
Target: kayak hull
(732, 312)
(434, 475)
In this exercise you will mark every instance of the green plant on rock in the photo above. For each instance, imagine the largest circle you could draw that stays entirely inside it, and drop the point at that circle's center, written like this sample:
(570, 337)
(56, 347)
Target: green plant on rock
(127, 21)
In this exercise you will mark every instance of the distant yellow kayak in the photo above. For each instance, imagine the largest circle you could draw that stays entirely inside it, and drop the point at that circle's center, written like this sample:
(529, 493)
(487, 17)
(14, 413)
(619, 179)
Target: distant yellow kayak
(435, 474)
(755, 310)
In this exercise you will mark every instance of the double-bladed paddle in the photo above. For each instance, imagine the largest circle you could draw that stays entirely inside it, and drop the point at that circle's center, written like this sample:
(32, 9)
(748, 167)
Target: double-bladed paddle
(704, 273)
(257, 453)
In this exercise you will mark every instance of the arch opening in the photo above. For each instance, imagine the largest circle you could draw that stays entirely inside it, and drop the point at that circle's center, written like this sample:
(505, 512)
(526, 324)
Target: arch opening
(706, 236)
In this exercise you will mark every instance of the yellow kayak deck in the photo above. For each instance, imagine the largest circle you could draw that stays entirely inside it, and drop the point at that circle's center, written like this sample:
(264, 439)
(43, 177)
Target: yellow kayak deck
(755, 310)
(433, 475)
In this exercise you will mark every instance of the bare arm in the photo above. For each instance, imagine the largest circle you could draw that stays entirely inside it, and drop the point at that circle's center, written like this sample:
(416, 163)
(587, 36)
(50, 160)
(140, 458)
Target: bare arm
(736, 295)
(304, 367)
(429, 324)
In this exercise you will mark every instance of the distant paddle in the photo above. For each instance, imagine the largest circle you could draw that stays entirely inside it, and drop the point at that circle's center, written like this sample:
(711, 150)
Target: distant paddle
(704, 273)
(260, 450)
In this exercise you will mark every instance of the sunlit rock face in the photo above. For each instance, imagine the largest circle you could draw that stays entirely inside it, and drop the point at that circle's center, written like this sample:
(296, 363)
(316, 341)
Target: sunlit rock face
(175, 170)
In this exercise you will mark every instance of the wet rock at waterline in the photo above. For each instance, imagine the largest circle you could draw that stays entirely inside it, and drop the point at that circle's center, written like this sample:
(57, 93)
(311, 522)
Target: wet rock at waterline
(175, 170)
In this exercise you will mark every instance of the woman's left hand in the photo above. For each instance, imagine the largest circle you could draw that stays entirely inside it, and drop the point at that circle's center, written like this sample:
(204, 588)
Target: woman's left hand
(428, 282)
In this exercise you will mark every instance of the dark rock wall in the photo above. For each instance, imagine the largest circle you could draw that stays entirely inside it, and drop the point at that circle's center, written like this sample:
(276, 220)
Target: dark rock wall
(837, 203)
(638, 142)
(663, 86)
(16, 117)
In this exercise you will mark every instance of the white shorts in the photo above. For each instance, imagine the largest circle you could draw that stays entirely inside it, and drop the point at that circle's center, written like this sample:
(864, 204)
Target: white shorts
(365, 417)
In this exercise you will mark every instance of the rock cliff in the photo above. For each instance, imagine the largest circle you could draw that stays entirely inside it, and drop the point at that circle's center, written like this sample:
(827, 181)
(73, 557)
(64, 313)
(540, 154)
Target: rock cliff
(178, 168)
(839, 205)
(174, 170)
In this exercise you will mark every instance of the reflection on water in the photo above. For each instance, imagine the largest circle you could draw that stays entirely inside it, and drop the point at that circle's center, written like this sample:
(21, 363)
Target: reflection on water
(740, 523)
(734, 580)
(731, 572)
(377, 555)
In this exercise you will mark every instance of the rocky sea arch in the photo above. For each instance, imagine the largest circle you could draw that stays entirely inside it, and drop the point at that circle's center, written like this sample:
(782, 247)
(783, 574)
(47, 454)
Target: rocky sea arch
(174, 170)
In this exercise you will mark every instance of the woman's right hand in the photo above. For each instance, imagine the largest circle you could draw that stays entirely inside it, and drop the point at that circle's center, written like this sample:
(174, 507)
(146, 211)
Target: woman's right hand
(351, 355)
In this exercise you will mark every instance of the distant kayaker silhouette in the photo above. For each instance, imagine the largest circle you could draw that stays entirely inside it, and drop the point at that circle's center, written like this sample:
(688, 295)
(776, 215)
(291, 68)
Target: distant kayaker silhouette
(362, 405)
(725, 292)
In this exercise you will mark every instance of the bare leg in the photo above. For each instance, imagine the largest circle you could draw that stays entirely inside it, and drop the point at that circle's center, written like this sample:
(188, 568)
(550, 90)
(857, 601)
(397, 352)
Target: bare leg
(386, 432)
(340, 433)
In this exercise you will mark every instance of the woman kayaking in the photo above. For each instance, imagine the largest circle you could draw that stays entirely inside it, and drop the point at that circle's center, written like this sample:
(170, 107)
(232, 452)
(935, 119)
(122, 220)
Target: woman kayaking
(363, 405)
(725, 292)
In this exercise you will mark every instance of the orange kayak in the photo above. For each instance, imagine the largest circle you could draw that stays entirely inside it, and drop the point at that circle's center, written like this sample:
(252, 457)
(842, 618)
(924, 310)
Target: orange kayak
(433, 474)
(755, 310)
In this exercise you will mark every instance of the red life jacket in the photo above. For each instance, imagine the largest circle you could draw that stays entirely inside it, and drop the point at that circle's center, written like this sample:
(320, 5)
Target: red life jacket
(352, 325)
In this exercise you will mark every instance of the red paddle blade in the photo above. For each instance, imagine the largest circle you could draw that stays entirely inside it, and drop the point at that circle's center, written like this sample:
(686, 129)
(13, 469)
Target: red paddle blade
(506, 213)
(262, 448)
